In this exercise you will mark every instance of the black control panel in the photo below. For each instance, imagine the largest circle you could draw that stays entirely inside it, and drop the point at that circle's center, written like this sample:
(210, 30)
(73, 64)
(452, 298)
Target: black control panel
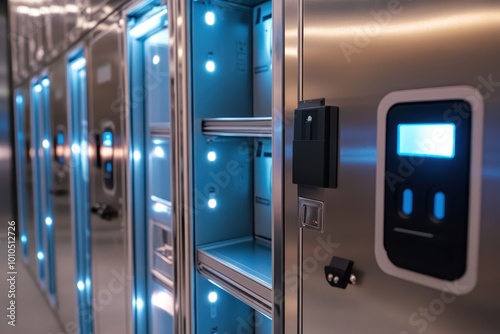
(426, 201)
(59, 146)
(107, 154)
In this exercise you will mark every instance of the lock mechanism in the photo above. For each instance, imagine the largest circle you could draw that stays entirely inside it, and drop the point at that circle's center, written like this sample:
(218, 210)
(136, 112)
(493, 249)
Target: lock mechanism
(339, 273)
(315, 144)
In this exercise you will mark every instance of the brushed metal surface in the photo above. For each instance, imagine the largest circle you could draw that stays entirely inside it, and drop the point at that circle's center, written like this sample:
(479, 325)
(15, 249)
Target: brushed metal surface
(28, 178)
(56, 39)
(180, 121)
(289, 210)
(60, 189)
(110, 266)
(12, 30)
(75, 19)
(354, 54)
(98, 10)
(278, 176)
(7, 200)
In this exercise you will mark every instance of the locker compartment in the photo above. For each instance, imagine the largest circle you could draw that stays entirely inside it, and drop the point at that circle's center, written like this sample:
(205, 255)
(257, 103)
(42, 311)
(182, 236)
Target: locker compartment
(220, 312)
(232, 156)
(151, 147)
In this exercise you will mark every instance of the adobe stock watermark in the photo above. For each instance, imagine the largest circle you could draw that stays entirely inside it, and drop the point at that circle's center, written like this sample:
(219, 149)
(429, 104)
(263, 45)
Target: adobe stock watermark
(426, 315)
(322, 253)
(364, 35)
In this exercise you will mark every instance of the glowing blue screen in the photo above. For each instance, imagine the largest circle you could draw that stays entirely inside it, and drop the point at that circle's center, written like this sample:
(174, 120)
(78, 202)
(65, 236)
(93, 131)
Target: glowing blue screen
(428, 140)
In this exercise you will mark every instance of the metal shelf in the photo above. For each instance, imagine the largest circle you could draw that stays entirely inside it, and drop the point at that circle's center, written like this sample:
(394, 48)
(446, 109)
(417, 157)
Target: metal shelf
(243, 268)
(238, 127)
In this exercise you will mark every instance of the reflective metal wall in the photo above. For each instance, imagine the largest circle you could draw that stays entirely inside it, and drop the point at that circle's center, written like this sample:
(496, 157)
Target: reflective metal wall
(7, 200)
(353, 53)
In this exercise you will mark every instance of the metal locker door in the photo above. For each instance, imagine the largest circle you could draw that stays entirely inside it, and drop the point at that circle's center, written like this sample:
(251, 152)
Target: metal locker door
(41, 178)
(24, 191)
(27, 174)
(111, 278)
(150, 146)
(79, 184)
(44, 126)
(64, 241)
(354, 54)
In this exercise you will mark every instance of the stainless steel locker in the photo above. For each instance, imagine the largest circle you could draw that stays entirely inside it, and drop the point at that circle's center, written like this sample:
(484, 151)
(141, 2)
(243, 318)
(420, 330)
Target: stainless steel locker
(149, 176)
(79, 183)
(354, 54)
(111, 276)
(24, 176)
(42, 176)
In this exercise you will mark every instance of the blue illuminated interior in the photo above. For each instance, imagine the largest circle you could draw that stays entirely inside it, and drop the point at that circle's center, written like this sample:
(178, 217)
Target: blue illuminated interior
(439, 205)
(407, 202)
(428, 140)
(107, 138)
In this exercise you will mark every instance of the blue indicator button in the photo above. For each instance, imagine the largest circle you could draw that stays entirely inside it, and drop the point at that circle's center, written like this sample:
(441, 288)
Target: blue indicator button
(109, 167)
(107, 138)
(407, 202)
(439, 205)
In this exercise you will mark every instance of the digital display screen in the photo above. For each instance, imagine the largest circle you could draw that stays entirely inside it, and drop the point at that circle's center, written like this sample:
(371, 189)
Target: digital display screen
(107, 138)
(435, 140)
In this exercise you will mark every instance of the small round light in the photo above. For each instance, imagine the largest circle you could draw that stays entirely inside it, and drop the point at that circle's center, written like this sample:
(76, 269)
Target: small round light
(48, 221)
(38, 88)
(211, 156)
(19, 99)
(210, 18)
(137, 155)
(139, 304)
(159, 152)
(210, 66)
(45, 82)
(24, 239)
(212, 297)
(45, 143)
(40, 256)
(75, 148)
(156, 59)
(80, 285)
(212, 203)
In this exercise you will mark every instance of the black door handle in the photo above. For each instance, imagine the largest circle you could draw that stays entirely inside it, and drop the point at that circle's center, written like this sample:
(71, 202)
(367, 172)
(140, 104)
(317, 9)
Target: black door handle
(58, 192)
(106, 212)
